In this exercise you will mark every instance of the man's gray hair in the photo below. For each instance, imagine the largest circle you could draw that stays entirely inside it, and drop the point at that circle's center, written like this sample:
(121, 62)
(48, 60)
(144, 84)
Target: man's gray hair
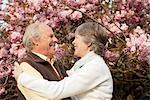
(32, 31)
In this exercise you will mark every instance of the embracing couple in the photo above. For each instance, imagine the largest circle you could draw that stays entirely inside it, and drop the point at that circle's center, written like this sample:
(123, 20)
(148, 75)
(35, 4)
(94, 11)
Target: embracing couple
(88, 79)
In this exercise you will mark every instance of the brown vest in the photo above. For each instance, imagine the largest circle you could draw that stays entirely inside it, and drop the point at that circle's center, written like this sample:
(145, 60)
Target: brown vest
(45, 69)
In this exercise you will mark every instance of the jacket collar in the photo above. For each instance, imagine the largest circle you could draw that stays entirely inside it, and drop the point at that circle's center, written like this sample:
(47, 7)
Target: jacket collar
(87, 58)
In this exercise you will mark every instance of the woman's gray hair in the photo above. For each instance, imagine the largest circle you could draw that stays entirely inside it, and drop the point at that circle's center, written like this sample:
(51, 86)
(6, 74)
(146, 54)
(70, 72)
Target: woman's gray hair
(95, 34)
(32, 31)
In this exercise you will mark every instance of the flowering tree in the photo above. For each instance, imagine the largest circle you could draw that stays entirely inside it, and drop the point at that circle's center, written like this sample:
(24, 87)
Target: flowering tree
(127, 25)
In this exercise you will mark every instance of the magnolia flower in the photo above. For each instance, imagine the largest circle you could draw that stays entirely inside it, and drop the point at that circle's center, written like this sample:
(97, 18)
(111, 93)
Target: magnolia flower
(88, 6)
(76, 15)
(82, 9)
(15, 36)
(21, 53)
(59, 53)
(55, 2)
(3, 52)
(80, 1)
(19, 16)
(94, 1)
(117, 15)
(124, 27)
(70, 35)
(114, 28)
(111, 56)
(14, 48)
(2, 90)
(34, 2)
(64, 13)
(139, 30)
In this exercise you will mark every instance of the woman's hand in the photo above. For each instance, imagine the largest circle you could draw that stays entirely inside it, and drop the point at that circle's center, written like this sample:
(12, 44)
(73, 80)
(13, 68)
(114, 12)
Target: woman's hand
(17, 70)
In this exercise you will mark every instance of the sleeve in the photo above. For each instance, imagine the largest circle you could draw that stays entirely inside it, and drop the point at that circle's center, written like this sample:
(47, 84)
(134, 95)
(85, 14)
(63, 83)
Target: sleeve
(83, 80)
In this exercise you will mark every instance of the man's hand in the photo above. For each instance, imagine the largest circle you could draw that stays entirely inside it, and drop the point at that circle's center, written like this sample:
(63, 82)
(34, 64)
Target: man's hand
(17, 70)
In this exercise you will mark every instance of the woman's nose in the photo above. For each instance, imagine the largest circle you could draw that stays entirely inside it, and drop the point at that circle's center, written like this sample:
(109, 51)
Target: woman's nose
(73, 42)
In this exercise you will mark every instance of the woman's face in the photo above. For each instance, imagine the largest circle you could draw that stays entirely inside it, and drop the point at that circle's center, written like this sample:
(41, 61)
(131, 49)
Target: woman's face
(81, 48)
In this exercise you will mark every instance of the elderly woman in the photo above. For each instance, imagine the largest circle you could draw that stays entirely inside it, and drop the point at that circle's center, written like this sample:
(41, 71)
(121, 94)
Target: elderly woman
(89, 78)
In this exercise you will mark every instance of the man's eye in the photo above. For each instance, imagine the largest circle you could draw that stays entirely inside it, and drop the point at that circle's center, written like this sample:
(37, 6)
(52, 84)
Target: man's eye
(51, 36)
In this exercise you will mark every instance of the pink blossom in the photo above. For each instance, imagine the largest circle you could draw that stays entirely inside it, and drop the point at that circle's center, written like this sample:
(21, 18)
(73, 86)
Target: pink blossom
(106, 19)
(111, 56)
(18, 29)
(14, 48)
(144, 54)
(80, 1)
(124, 1)
(120, 14)
(137, 42)
(65, 13)
(47, 22)
(117, 15)
(89, 6)
(142, 39)
(82, 9)
(30, 10)
(15, 36)
(114, 28)
(70, 35)
(18, 15)
(35, 17)
(55, 2)
(123, 13)
(55, 22)
(1, 75)
(21, 53)
(139, 30)
(59, 53)
(128, 42)
(1, 44)
(132, 48)
(124, 27)
(76, 15)
(2, 90)
(12, 17)
(9, 27)
(3, 52)
(94, 1)
(34, 2)
(130, 12)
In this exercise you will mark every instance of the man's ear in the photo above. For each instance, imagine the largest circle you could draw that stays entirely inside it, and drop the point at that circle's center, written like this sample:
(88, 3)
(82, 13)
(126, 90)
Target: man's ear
(35, 41)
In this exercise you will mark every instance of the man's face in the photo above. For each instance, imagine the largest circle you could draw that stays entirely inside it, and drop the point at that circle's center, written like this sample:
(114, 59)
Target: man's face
(47, 41)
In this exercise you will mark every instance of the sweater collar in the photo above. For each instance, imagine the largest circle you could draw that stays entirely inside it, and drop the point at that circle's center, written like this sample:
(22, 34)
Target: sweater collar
(36, 57)
(41, 56)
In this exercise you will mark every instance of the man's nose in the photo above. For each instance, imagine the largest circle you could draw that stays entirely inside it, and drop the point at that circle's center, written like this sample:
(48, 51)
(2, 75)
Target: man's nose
(55, 39)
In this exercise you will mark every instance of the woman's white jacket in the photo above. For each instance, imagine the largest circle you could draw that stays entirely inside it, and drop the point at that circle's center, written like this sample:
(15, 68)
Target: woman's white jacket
(89, 79)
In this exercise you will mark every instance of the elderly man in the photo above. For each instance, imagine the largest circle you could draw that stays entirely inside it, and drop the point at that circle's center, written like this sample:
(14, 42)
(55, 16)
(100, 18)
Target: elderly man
(39, 41)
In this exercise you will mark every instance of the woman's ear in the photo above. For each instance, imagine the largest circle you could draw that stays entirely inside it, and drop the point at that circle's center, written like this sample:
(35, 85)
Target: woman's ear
(89, 44)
